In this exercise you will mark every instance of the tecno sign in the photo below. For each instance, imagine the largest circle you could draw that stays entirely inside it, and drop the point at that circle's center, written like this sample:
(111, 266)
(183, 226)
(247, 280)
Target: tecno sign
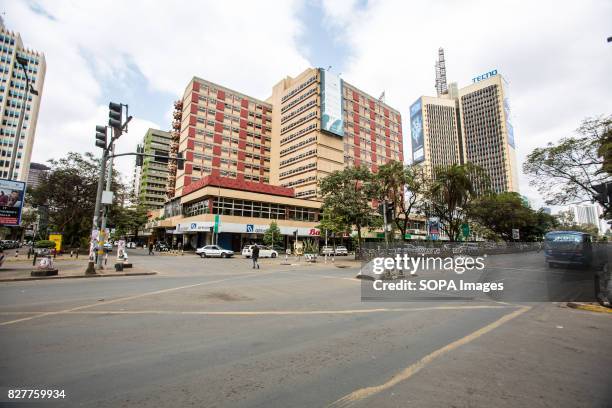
(484, 76)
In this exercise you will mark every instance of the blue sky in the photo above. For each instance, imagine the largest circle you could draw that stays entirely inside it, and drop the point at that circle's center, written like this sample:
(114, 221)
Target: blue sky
(557, 64)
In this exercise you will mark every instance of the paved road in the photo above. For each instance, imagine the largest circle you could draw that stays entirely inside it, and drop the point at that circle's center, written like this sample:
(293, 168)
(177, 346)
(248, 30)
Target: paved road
(215, 333)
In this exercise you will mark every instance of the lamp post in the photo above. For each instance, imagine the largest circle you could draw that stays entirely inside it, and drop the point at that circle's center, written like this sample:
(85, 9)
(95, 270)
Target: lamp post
(29, 88)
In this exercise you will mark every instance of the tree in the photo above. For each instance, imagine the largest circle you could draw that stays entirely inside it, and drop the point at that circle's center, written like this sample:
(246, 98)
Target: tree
(451, 191)
(128, 220)
(402, 187)
(273, 236)
(567, 171)
(567, 222)
(501, 213)
(68, 193)
(348, 194)
(332, 223)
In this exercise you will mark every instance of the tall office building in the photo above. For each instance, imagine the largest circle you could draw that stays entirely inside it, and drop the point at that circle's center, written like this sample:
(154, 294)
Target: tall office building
(153, 177)
(487, 135)
(470, 124)
(37, 171)
(223, 133)
(589, 214)
(435, 133)
(321, 124)
(12, 97)
(250, 161)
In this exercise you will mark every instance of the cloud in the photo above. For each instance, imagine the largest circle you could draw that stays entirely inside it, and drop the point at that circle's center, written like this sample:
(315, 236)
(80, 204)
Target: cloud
(552, 53)
(94, 47)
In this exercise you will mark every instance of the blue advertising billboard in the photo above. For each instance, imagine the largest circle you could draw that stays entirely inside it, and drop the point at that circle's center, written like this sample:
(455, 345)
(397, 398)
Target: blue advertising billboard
(416, 131)
(11, 202)
(331, 103)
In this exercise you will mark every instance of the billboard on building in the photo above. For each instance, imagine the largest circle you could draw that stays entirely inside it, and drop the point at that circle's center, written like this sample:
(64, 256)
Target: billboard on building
(416, 131)
(331, 103)
(11, 202)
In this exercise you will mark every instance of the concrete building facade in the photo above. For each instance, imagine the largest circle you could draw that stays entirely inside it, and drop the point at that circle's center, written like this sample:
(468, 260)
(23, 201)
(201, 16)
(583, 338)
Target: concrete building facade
(153, 178)
(249, 162)
(12, 96)
(37, 171)
(470, 124)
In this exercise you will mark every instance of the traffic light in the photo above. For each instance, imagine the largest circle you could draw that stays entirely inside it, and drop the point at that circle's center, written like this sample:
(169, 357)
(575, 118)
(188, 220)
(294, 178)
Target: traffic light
(139, 156)
(180, 162)
(604, 193)
(115, 112)
(101, 137)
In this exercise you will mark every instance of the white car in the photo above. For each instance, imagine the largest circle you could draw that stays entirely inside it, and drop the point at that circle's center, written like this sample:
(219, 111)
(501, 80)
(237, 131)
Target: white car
(327, 250)
(264, 252)
(210, 251)
(341, 251)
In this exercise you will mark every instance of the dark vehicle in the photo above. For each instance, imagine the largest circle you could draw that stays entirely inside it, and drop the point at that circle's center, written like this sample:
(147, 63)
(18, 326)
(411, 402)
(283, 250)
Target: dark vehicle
(572, 248)
(162, 247)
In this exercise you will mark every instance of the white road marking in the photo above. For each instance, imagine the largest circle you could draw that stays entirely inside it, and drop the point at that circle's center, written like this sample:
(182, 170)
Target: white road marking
(261, 312)
(157, 292)
(409, 371)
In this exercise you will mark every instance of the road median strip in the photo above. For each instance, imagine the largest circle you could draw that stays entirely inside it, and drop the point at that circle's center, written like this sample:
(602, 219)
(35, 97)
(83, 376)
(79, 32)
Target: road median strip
(590, 307)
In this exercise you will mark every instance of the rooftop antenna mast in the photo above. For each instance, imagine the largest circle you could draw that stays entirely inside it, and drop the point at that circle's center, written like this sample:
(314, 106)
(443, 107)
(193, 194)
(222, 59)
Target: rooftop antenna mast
(441, 85)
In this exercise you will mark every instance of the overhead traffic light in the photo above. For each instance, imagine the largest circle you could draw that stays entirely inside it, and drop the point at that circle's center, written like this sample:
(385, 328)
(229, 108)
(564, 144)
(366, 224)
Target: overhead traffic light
(101, 137)
(115, 113)
(180, 162)
(604, 193)
(139, 155)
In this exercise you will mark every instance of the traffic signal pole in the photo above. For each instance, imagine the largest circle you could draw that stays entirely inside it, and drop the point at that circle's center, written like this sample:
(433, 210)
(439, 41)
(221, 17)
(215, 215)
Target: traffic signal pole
(91, 270)
(109, 180)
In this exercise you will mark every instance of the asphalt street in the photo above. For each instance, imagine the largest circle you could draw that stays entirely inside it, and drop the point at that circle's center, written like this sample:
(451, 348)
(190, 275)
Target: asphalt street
(216, 333)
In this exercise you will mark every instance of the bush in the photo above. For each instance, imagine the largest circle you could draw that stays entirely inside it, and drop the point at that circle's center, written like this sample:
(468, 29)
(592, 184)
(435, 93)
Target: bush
(44, 244)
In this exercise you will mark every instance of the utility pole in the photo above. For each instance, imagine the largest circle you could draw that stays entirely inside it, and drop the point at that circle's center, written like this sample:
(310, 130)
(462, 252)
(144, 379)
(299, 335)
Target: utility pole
(109, 180)
(385, 223)
(115, 117)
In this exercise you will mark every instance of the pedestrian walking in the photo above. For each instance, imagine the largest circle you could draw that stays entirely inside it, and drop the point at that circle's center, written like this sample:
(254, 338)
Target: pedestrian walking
(255, 256)
(150, 248)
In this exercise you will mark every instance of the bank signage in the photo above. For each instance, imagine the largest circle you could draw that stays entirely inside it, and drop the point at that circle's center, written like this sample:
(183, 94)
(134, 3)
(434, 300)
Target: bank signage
(484, 76)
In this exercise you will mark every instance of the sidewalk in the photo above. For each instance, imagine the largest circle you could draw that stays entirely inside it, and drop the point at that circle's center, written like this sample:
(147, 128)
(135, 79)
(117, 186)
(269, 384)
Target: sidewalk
(67, 269)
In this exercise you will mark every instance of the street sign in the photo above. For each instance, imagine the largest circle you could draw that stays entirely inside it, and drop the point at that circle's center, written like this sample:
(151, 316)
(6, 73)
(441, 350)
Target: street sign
(217, 224)
(515, 234)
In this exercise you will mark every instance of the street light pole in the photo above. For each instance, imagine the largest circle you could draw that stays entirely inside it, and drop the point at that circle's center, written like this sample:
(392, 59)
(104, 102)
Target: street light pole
(109, 180)
(92, 247)
(23, 63)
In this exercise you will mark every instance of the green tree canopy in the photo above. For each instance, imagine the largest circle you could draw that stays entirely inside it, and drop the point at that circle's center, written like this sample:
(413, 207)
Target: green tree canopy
(402, 187)
(348, 194)
(565, 172)
(450, 193)
(273, 236)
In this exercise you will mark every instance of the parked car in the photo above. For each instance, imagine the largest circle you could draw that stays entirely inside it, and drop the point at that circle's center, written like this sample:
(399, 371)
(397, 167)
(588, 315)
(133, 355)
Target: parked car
(327, 250)
(108, 246)
(341, 251)
(130, 245)
(42, 251)
(214, 251)
(264, 252)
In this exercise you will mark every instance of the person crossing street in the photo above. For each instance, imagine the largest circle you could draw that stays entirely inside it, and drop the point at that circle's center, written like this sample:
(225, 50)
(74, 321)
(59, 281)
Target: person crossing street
(255, 256)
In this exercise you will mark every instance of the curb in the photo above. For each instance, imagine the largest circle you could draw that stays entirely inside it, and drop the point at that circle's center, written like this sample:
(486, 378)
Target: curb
(109, 275)
(589, 307)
